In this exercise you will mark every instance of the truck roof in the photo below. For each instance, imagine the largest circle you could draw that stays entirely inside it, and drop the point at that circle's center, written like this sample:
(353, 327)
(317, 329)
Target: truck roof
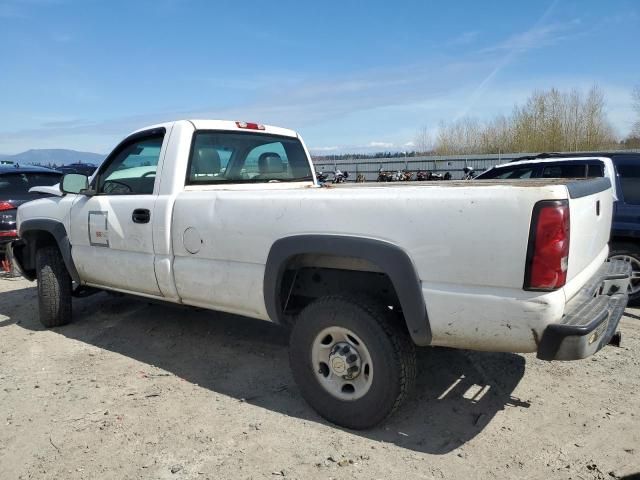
(227, 125)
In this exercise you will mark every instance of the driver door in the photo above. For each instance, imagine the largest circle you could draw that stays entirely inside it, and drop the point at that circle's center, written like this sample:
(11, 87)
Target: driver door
(111, 231)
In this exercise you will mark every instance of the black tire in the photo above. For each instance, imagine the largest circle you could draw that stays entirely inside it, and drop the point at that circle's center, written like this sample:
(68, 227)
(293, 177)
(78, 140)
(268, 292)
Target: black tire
(391, 350)
(54, 288)
(627, 249)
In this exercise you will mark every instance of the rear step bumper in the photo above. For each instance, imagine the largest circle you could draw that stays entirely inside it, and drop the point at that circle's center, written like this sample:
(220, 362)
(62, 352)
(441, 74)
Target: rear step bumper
(591, 317)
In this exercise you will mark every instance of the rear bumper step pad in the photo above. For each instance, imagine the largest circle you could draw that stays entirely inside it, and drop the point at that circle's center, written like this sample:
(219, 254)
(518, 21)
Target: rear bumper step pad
(592, 316)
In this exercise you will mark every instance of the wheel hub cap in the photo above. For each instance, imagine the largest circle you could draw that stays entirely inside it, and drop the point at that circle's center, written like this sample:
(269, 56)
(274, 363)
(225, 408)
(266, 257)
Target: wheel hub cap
(344, 361)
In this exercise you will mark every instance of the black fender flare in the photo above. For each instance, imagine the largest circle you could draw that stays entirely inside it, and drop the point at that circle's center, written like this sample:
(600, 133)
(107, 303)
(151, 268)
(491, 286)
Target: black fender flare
(59, 233)
(391, 259)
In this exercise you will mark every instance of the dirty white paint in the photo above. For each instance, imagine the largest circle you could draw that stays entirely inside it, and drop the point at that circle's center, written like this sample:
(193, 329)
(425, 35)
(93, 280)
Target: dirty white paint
(208, 245)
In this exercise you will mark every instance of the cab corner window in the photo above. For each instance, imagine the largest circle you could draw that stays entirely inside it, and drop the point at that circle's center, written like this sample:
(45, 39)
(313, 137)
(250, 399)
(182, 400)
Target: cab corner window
(133, 169)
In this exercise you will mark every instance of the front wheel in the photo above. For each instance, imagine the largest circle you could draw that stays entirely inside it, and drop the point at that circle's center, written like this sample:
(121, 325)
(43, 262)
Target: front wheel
(630, 253)
(352, 362)
(54, 287)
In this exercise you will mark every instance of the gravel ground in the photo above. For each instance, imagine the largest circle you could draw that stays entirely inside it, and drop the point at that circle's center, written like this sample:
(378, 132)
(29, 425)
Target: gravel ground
(139, 390)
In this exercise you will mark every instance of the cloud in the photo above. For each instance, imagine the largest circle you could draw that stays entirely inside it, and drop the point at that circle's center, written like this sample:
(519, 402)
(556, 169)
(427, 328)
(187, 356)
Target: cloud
(542, 34)
(366, 148)
(539, 36)
(323, 149)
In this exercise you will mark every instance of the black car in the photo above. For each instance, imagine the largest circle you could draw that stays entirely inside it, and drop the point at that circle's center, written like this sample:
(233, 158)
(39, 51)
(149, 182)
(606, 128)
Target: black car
(15, 182)
(624, 173)
(82, 168)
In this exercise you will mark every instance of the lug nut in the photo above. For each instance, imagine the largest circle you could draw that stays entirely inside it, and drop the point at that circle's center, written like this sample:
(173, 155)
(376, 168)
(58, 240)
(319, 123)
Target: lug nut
(345, 350)
(352, 358)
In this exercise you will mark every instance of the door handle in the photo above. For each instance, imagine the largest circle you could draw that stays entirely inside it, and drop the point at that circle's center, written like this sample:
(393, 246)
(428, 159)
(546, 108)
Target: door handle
(141, 215)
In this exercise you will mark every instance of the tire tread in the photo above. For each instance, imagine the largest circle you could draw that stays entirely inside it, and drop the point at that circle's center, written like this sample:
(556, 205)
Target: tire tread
(54, 287)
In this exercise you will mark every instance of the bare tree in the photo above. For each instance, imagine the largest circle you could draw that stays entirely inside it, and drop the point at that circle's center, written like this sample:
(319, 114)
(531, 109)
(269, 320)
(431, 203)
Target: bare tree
(636, 106)
(423, 142)
(548, 121)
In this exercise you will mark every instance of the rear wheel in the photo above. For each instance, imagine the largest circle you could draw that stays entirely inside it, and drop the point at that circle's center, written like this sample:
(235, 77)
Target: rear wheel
(630, 253)
(54, 287)
(353, 363)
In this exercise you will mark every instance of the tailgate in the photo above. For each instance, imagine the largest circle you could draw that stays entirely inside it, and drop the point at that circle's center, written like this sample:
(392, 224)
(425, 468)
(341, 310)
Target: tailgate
(591, 207)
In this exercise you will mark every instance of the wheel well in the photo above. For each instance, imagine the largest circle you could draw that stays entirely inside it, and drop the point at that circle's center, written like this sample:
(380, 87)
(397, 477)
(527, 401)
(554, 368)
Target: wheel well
(308, 277)
(364, 265)
(33, 241)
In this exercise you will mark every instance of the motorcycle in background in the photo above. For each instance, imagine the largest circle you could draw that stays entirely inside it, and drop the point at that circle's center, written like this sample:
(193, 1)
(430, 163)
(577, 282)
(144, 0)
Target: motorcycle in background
(322, 177)
(384, 176)
(422, 176)
(340, 176)
(469, 174)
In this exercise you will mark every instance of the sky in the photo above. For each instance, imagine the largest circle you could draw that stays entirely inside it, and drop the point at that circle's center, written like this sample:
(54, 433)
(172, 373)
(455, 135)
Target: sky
(348, 75)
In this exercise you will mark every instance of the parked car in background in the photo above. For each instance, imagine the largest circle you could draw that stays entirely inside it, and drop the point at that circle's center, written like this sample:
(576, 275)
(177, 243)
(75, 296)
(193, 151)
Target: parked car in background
(81, 168)
(622, 168)
(15, 182)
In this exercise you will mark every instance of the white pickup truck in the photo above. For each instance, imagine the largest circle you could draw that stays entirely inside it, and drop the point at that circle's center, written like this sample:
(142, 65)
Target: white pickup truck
(228, 216)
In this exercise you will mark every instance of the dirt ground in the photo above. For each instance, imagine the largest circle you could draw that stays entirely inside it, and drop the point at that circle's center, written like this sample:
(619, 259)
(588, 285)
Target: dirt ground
(139, 390)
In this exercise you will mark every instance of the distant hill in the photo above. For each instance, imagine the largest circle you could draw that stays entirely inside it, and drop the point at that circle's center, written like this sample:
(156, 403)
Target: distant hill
(54, 156)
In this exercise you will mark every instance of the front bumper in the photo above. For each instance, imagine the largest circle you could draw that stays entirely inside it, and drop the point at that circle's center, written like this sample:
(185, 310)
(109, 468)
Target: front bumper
(591, 317)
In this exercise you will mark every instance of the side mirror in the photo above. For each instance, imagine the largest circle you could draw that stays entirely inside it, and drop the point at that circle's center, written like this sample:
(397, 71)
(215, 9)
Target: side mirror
(74, 183)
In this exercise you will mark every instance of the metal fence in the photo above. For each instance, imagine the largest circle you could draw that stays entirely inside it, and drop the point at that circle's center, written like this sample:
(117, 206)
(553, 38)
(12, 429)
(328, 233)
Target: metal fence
(454, 164)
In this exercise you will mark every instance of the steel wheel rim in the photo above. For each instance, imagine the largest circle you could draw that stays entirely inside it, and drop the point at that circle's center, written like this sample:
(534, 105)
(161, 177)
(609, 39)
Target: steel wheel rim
(326, 362)
(634, 283)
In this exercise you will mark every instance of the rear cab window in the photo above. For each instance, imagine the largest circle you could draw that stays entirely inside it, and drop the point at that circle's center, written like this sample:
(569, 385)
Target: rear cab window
(221, 157)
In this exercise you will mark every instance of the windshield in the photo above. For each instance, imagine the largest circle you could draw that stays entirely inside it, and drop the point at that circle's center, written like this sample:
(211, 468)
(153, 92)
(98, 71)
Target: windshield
(229, 157)
(20, 183)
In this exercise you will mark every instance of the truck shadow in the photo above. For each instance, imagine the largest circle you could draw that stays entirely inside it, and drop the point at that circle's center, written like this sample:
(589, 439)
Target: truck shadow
(457, 395)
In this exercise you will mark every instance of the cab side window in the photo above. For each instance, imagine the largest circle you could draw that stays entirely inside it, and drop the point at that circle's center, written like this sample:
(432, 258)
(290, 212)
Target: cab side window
(132, 170)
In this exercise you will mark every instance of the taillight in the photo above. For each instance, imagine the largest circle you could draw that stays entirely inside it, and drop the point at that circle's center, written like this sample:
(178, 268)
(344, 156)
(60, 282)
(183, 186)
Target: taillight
(250, 125)
(6, 206)
(548, 251)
